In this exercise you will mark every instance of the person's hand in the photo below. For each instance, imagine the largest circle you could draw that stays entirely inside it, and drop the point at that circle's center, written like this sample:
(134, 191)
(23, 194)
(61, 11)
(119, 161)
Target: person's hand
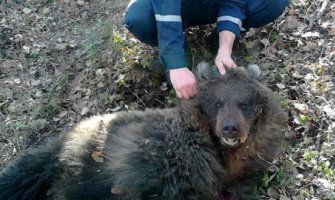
(184, 82)
(223, 60)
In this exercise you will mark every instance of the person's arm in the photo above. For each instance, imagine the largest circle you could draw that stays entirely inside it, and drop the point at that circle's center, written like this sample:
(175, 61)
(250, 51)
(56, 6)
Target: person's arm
(229, 25)
(223, 58)
(171, 46)
(231, 16)
(170, 33)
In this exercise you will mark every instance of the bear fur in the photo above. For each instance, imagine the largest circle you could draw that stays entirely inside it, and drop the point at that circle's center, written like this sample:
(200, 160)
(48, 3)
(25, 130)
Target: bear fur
(215, 143)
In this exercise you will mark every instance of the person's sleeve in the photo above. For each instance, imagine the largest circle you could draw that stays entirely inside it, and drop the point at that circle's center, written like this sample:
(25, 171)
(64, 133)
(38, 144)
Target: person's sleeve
(231, 16)
(170, 33)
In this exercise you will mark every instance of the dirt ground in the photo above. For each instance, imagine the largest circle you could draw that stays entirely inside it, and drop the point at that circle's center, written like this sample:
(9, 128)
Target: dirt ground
(62, 61)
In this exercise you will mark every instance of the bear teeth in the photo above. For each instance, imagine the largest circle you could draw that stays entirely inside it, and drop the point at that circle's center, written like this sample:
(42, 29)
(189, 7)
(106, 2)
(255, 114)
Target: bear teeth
(228, 141)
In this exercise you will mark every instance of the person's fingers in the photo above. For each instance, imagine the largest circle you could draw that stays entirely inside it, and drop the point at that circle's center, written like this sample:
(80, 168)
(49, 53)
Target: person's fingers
(234, 64)
(185, 94)
(179, 94)
(182, 93)
(184, 83)
(220, 67)
(231, 64)
(192, 89)
(190, 93)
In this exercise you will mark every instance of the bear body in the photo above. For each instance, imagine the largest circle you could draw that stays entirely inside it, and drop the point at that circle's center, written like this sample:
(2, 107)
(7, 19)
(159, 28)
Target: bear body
(210, 144)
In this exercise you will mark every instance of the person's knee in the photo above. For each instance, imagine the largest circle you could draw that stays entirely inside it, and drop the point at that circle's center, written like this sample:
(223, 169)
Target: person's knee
(132, 21)
(279, 6)
(263, 12)
(128, 21)
(139, 20)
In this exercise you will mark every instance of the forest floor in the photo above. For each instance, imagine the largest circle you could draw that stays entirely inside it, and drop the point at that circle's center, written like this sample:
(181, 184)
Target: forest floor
(62, 61)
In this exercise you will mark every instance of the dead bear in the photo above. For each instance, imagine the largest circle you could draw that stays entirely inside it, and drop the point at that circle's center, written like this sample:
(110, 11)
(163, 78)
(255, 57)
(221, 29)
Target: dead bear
(218, 141)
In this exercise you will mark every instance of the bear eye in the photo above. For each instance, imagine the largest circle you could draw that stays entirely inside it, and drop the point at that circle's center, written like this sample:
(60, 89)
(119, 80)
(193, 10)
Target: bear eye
(219, 104)
(244, 106)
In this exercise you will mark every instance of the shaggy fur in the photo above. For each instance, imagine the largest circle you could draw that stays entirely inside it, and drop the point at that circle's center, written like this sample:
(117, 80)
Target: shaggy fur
(197, 150)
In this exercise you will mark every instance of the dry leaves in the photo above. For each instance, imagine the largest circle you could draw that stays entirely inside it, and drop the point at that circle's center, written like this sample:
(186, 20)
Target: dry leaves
(63, 61)
(97, 156)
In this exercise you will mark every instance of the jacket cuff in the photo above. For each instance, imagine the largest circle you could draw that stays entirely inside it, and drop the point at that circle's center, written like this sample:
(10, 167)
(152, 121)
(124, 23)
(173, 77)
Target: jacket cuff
(228, 26)
(174, 61)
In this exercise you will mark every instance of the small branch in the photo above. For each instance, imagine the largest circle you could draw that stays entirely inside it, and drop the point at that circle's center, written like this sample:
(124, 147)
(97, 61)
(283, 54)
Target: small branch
(3, 116)
(145, 106)
(317, 15)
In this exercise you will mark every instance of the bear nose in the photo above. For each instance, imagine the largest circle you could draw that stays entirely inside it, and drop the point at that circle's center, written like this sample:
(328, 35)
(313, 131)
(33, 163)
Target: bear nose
(230, 128)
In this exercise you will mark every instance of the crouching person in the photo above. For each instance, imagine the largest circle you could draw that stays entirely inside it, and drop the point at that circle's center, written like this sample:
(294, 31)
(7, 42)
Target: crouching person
(161, 23)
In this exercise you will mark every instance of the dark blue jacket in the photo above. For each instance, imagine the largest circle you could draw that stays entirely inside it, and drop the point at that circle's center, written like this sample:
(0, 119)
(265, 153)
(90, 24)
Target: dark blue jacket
(170, 30)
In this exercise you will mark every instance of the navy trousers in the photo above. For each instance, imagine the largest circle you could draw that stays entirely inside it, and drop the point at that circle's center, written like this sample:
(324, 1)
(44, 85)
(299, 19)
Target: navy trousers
(140, 19)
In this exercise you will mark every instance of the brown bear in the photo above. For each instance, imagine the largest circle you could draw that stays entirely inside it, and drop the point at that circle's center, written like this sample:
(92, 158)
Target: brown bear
(212, 144)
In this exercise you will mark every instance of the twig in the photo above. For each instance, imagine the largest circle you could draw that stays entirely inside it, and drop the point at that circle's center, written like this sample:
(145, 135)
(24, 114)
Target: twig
(161, 102)
(145, 106)
(263, 159)
(317, 15)
(2, 115)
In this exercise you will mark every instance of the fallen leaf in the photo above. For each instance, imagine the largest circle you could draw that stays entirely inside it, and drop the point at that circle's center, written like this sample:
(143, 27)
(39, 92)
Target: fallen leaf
(117, 108)
(273, 192)
(283, 197)
(250, 44)
(297, 75)
(26, 11)
(329, 111)
(265, 42)
(311, 34)
(163, 87)
(61, 46)
(280, 86)
(303, 108)
(332, 31)
(97, 156)
(84, 111)
(243, 138)
(101, 85)
(115, 189)
(81, 2)
(311, 45)
(292, 22)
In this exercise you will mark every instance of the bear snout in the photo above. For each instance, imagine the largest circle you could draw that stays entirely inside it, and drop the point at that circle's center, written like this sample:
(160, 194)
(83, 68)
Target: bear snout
(230, 129)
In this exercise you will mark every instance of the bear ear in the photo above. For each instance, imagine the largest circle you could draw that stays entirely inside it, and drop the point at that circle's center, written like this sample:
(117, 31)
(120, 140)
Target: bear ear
(254, 71)
(206, 71)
